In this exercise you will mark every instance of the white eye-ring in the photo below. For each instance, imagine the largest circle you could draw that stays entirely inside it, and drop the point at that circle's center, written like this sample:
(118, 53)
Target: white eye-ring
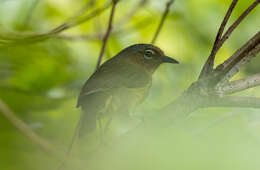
(148, 54)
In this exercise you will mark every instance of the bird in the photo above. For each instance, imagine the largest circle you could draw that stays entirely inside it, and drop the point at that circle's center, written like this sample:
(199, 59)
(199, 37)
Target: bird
(119, 85)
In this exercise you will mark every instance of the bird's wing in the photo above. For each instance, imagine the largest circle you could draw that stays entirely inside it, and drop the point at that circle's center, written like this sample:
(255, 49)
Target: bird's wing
(94, 105)
(112, 76)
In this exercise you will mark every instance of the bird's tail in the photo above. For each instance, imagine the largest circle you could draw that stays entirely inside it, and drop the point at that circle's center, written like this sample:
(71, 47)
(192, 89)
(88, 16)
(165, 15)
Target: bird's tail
(87, 123)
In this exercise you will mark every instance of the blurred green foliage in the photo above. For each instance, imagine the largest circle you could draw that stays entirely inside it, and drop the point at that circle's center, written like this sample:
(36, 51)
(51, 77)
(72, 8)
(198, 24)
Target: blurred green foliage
(40, 82)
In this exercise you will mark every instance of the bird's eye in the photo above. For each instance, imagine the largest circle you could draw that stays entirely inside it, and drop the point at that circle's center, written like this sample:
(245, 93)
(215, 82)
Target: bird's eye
(148, 54)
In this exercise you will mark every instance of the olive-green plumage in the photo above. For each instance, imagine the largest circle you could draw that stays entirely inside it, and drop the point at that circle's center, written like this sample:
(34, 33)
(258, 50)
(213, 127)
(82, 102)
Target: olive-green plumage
(120, 84)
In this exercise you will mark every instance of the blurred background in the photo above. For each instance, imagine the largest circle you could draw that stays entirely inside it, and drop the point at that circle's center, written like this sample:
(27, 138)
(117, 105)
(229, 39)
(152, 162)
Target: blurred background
(40, 82)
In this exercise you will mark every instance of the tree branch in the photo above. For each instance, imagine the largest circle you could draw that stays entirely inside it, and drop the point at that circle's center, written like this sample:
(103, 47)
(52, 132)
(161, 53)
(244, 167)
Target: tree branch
(70, 23)
(239, 65)
(208, 66)
(242, 84)
(106, 36)
(240, 57)
(115, 31)
(237, 22)
(36, 139)
(165, 13)
(21, 126)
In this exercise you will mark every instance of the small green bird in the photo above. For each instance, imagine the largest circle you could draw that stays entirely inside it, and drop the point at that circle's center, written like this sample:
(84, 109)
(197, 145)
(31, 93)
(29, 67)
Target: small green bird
(120, 84)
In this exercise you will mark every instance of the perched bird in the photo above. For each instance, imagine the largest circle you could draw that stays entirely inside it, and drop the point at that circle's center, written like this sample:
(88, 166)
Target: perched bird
(120, 84)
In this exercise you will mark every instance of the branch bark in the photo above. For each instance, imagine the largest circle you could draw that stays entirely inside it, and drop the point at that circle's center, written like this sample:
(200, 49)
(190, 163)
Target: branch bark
(240, 85)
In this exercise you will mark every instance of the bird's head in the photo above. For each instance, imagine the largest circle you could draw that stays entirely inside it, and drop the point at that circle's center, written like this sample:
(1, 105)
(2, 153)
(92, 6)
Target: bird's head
(145, 55)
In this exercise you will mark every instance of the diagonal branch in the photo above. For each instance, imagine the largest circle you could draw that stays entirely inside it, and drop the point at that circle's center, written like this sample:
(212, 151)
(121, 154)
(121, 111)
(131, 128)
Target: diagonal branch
(246, 47)
(238, 21)
(240, 64)
(20, 125)
(106, 36)
(242, 84)
(208, 66)
(165, 13)
(115, 31)
(240, 57)
(70, 23)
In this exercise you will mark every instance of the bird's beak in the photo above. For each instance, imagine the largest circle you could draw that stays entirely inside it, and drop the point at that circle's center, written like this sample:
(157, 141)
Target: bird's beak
(166, 59)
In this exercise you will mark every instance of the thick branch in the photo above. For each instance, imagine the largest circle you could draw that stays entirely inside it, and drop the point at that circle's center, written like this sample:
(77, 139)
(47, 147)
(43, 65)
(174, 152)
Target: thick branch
(106, 36)
(240, 85)
(165, 13)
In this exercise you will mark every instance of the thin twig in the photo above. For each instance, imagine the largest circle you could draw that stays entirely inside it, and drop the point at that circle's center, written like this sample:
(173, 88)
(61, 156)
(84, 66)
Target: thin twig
(70, 23)
(75, 136)
(237, 22)
(21, 126)
(116, 31)
(208, 66)
(165, 13)
(82, 37)
(109, 29)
